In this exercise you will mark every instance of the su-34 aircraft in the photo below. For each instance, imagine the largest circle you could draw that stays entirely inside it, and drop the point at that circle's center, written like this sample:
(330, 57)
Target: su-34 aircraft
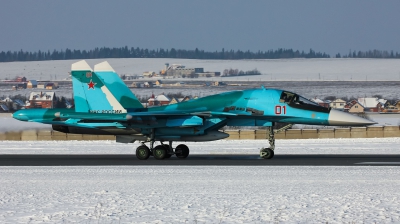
(104, 105)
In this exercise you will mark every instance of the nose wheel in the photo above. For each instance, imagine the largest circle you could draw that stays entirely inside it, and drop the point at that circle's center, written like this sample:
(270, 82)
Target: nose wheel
(266, 153)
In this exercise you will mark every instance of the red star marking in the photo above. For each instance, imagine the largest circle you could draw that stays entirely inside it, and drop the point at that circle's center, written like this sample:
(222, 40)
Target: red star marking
(91, 84)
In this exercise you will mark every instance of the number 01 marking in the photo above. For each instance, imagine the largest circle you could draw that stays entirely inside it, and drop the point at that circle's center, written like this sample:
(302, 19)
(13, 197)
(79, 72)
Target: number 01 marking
(280, 109)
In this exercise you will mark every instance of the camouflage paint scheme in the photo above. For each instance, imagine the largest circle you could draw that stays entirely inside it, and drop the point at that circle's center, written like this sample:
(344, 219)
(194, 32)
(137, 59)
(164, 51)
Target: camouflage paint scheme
(105, 105)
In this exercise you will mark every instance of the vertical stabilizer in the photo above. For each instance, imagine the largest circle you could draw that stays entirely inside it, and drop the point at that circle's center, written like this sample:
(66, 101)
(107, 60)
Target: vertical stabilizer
(78, 70)
(116, 86)
(90, 94)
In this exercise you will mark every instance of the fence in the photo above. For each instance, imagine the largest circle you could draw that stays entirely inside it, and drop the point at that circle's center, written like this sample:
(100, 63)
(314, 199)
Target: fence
(360, 132)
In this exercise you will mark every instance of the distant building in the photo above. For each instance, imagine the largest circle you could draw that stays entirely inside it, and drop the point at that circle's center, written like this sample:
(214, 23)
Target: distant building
(148, 84)
(42, 100)
(354, 107)
(217, 83)
(397, 104)
(149, 74)
(209, 74)
(32, 84)
(179, 100)
(159, 100)
(137, 85)
(20, 79)
(174, 100)
(186, 98)
(158, 83)
(372, 104)
(51, 85)
(41, 85)
(19, 86)
(321, 102)
(338, 104)
(391, 109)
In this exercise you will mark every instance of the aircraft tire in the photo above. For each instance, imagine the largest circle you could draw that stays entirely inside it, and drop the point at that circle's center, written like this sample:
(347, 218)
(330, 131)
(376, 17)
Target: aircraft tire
(142, 152)
(159, 152)
(182, 151)
(266, 153)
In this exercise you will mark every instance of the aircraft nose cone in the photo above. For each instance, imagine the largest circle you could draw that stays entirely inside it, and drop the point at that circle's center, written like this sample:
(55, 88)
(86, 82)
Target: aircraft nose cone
(19, 115)
(339, 118)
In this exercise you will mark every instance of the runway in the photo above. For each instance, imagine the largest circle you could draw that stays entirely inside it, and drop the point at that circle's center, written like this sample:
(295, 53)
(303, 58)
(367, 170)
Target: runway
(200, 160)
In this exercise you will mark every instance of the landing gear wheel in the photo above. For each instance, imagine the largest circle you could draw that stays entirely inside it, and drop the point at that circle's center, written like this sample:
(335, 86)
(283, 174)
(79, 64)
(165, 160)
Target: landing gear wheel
(266, 153)
(142, 152)
(182, 151)
(159, 152)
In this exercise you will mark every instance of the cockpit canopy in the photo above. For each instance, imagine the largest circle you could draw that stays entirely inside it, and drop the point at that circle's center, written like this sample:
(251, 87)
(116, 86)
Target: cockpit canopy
(297, 101)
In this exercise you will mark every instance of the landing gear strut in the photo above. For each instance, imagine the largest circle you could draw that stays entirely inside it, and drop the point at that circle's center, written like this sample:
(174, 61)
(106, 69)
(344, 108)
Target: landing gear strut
(268, 153)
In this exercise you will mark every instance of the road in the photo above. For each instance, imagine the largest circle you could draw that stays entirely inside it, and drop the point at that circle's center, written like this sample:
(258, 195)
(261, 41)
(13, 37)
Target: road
(199, 160)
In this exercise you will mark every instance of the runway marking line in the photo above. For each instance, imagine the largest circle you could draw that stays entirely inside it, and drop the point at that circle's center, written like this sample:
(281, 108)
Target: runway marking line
(378, 163)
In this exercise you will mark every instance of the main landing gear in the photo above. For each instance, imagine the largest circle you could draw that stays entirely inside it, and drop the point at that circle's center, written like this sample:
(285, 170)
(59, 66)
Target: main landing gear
(268, 153)
(162, 151)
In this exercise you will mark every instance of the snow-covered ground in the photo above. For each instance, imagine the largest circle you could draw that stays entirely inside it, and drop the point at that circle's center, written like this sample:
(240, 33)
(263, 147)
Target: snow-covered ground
(209, 194)
(345, 69)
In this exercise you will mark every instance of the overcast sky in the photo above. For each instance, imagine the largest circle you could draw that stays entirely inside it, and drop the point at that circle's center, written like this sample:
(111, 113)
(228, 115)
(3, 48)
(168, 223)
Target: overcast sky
(327, 26)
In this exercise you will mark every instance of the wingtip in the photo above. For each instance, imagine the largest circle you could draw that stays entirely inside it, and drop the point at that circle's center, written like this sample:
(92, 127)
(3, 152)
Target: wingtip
(81, 66)
(103, 67)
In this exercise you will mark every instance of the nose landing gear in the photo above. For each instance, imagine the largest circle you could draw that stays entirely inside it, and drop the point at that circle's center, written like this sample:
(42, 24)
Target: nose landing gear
(268, 153)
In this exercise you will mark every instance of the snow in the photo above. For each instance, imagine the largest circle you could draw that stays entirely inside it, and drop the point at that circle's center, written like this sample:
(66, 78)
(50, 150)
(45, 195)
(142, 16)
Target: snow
(272, 69)
(208, 194)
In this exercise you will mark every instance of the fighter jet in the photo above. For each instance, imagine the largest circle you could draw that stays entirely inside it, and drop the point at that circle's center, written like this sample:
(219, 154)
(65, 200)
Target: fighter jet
(104, 105)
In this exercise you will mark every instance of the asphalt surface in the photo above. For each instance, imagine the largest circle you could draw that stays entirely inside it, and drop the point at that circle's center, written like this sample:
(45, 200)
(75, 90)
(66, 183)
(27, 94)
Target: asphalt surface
(199, 160)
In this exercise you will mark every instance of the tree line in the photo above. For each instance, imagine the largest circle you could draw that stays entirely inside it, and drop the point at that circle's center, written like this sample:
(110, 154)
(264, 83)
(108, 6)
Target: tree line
(125, 52)
(370, 54)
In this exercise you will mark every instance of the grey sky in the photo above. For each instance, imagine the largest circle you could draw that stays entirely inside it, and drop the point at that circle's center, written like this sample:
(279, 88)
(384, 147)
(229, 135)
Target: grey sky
(326, 26)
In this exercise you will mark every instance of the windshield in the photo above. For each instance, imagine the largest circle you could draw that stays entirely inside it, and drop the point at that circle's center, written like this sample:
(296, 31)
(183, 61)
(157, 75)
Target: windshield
(297, 101)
